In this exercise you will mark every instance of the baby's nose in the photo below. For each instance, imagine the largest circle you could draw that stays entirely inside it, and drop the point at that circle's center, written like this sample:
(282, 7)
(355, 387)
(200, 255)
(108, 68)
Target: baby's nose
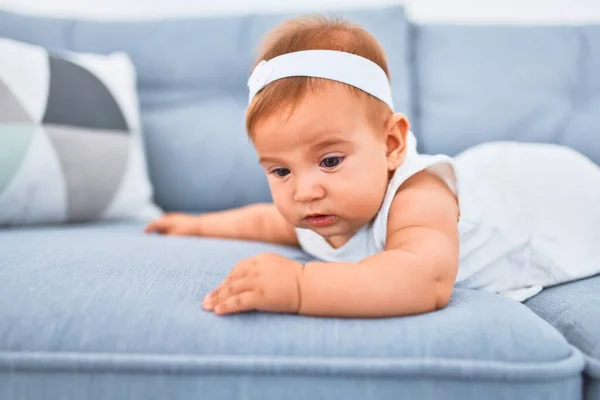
(307, 190)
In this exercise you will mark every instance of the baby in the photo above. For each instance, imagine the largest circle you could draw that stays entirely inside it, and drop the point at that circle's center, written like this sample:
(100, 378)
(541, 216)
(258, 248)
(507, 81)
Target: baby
(387, 224)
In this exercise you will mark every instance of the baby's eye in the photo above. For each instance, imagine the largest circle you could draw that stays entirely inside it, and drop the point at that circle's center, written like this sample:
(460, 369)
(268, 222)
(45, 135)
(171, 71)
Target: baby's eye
(331, 162)
(281, 172)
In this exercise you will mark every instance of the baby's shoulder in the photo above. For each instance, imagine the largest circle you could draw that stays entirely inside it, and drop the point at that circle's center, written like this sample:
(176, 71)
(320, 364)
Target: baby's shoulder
(421, 200)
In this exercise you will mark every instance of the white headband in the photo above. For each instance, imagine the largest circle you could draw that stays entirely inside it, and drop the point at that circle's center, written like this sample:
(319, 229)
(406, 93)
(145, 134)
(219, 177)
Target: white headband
(339, 66)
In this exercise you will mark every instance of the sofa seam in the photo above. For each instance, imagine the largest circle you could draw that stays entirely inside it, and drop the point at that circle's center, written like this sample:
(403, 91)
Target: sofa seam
(565, 368)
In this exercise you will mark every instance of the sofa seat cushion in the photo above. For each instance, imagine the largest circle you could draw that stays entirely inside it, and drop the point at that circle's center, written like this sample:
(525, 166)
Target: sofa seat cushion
(574, 309)
(104, 311)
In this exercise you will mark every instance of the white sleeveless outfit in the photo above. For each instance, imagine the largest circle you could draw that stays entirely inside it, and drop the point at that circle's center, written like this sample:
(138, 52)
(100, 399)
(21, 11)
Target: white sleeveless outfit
(529, 216)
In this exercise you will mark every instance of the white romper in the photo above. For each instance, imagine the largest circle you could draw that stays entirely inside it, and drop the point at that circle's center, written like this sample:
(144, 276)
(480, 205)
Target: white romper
(529, 216)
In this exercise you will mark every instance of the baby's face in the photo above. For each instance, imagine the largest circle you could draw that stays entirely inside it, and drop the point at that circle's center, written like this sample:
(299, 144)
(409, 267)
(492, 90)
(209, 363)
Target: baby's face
(326, 165)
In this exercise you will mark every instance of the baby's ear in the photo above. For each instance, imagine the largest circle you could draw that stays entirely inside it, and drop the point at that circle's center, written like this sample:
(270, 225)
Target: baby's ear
(397, 133)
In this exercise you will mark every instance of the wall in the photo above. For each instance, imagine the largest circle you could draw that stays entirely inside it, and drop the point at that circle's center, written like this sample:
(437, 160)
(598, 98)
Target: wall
(473, 11)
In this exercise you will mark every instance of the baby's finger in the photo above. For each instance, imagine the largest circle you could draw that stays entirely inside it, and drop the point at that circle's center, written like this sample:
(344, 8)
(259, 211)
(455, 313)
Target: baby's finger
(228, 289)
(160, 225)
(245, 301)
(244, 268)
(238, 272)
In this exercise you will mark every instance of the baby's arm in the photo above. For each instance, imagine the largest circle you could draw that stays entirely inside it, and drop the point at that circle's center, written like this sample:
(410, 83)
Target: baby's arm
(414, 274)
(258, 222)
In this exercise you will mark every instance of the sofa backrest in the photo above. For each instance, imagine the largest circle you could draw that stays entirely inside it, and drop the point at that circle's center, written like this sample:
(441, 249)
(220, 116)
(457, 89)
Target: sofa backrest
(527, 83)
(460, 84)
(192, 76)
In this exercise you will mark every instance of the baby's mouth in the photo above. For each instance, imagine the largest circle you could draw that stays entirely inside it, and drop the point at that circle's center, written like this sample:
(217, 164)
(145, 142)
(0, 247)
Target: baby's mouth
(319, 220)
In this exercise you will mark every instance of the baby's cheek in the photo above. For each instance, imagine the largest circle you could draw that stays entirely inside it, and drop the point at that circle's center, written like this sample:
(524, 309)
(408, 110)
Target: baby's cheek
(369, 194)
(284, 204)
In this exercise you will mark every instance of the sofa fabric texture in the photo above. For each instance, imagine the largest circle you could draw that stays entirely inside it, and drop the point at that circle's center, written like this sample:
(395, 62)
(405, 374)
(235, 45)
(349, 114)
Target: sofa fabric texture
(118, 303)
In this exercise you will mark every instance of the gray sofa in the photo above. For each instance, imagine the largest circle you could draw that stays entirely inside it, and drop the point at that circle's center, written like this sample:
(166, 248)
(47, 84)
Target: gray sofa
(102, 311)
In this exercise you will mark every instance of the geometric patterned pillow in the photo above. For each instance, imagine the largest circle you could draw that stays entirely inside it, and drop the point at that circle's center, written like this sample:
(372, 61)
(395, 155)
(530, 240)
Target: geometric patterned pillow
(70, 143)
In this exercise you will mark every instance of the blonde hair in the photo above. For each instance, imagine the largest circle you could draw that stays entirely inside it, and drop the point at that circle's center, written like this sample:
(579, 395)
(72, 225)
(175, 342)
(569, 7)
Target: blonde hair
(314, 33)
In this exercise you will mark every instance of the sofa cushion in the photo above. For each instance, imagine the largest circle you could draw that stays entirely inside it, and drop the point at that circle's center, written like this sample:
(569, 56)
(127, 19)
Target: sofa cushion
(193, 93)
(574, 309)
(70, 145)
(526, 83)
(104, 311)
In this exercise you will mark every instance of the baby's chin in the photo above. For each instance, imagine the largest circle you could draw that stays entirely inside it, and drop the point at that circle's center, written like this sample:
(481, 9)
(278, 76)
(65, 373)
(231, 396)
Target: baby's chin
(337, 234)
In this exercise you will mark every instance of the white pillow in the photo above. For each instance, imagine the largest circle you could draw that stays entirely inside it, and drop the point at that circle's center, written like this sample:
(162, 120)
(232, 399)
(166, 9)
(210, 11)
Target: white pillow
(70, 142)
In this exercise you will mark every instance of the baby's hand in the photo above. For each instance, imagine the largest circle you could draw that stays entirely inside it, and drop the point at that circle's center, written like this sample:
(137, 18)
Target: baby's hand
(175, 224)
(267, 282)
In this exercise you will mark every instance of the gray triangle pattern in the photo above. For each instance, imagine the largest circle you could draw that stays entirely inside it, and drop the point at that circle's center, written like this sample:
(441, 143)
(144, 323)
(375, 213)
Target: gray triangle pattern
(77, 97)
(11, 109)
(94, 163)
